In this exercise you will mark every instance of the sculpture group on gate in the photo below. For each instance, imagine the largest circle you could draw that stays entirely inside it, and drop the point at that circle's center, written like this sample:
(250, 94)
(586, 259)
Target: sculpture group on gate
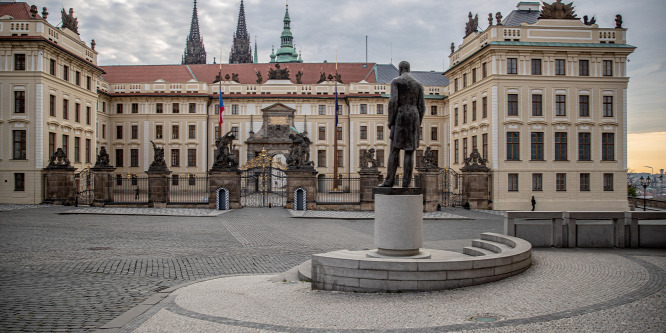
(475, 162)
(299, 153)
(159, 164)
(102, 159)
(59, 160)
(368, 160)
(225, 159)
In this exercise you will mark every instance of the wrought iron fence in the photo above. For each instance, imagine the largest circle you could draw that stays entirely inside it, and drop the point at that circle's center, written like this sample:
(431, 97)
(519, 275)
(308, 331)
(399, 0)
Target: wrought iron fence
(450, 188)
(188, 189)
(347, 190)
(130, 189)
(84, 185)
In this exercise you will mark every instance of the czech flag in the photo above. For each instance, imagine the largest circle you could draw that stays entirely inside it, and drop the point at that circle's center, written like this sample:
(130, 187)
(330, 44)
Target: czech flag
(221, 108)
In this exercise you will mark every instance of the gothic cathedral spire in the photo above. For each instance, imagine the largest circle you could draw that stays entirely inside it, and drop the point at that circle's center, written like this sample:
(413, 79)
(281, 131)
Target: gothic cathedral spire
(241, 50)
(195, 53)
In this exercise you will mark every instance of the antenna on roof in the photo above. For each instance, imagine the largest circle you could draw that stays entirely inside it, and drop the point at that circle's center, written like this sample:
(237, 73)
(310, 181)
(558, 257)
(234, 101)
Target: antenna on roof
(391, 52)
(366, 49)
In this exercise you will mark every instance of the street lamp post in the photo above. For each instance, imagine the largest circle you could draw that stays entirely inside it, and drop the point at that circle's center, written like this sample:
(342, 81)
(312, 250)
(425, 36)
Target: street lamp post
(645, 183)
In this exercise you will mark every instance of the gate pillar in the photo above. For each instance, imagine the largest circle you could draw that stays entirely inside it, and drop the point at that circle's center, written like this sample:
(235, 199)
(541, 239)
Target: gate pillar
(103, 180)
(369, 180)
(430, 188)
(476, 182)
(306, 179)
(231, 180)
(59, 180)
(158, 188)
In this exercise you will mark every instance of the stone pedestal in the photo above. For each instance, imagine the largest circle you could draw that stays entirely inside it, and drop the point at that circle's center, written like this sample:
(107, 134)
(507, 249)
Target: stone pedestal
(158, 188)
(476, 189)
(103, 179)
(305, 178)
(398, 221)
(230, 180)
(369, 180)
(60, 188)
(430, 189)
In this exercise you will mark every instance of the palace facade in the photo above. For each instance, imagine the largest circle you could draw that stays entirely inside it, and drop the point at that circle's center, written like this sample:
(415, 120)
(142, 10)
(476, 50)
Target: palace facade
(55, 95)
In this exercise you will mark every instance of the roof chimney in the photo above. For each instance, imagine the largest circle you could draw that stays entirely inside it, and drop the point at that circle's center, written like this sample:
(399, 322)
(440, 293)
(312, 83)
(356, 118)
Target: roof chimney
(528, 6)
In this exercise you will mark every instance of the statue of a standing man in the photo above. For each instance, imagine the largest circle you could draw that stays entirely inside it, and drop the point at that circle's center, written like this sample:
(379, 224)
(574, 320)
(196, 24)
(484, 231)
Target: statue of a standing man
(405, 113)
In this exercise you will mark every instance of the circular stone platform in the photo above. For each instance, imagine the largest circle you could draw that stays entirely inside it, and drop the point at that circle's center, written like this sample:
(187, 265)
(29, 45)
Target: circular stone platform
(565, 290)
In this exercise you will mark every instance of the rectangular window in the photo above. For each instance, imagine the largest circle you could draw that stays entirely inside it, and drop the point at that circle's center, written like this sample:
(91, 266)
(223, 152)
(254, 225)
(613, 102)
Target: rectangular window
(433, 110)
(88, 141)
(433, 133)
(455, 117)
(191, 157)
(419, 157)
(513, 146)
(234, 109)
(584, 151)
(473, 75)
(484, 139)
(175, 132)
(584, 181)
(217, 132)
(339, 110)
(322, 132)
(88, 83)
(608, 67)
(421, 133)
(513, 182)
(158, 132)
(193, 108)
(435, 157)
(584, 105)
(234, 131)
(159, 108)
(560, 181)
(536, 66)
(379, 154)
(19, 62)
(560, 105)
(192, 131)
(380, 108)
(135, 107)
(191, 180)
(134, 158)
(19, 102)
(473, 110)
(135, 132)
(119, 108)
(322, 110)
(537, 182)
(103, 131)
(77, 112)
(77, 78)
(364, 132)
(52, 143)
(512, 65)
(19, 182)
(65, 73)
(65, 144)
(537, 146)
(119, 132)
(608, 181)
(608, 146)
(321, 158)
(52, 67)
(474, 143)
(364, 109)
(455, 151)
(455, 84)
(484, 70)
(175, 157)
(465, 114)
(584, 68)
(341, 158)
(119, 158)
(380, 132)
(464, 80)
(77, 149)
(484, 107)
(465, 155)
(104, 107)
(608, 106)
(52, 105)
(88, 113)
(175, 108)
(537, 105)
(338, 133)
(560, 146)
(20, 145)
(512, 104)
(560, 67)
(174, 180)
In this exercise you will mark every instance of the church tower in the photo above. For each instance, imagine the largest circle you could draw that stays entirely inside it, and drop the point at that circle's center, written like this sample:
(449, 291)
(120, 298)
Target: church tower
(241, 50)
(286, 52)
(195, 53)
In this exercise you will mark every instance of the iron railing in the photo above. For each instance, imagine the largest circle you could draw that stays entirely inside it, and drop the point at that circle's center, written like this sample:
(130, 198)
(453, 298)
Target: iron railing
(130, 189)
(348, 191)
(188, 189)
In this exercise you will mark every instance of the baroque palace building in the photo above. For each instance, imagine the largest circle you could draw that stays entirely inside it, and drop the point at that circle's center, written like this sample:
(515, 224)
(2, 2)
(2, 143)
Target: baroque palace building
(55, 95)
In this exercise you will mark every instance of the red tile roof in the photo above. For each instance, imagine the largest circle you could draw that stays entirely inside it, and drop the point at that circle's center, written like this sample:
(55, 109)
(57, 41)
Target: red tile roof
(17, 10)
(350, 72)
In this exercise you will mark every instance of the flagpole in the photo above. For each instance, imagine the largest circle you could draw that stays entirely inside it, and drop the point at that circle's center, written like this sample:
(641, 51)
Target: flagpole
(219, 109)
(335, 132)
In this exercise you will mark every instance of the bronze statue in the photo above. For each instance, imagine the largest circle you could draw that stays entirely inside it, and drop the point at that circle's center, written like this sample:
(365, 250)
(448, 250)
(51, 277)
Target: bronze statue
(368, 160)
(586, 21)
(322, 77)
(405, 114)
(234, 77)
(93, 44)
(453, 48)
(299, 75)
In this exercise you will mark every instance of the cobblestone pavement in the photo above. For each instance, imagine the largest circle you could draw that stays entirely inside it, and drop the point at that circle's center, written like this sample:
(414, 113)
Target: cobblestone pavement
(359, 215)
(146, 211)
(77, 272)
(6, 207)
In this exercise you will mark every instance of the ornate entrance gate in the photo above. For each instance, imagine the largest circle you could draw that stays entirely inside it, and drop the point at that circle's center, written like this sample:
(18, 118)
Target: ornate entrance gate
(263, 182)
(450, 188)
(84, 185)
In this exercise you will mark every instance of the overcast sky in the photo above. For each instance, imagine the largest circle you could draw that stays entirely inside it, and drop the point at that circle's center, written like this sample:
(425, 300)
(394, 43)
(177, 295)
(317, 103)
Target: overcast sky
(420, 31)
